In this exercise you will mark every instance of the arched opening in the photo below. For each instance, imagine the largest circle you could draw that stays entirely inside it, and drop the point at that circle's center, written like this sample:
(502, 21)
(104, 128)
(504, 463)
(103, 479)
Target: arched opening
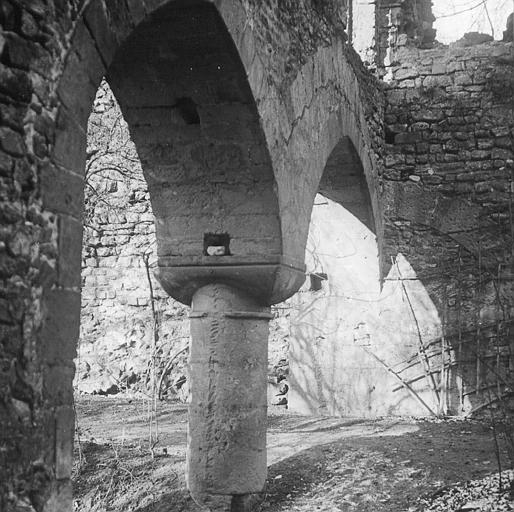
(356, 344)
(184, 94)
(343, 181)
(130, 329)
(191, 113)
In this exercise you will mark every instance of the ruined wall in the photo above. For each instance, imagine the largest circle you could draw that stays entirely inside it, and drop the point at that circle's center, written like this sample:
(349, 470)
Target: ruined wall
(449, 179)
(38, 269)
(303, 94)
(398, 22)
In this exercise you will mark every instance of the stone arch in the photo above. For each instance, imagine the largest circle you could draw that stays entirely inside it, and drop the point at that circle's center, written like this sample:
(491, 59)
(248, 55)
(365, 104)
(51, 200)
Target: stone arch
(211, 110)
(343, 181)
(104, 37)
(331, 96)
(185, 95)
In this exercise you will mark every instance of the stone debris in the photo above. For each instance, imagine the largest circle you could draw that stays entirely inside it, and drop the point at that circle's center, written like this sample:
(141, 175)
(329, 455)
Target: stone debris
(473, 38)
(475, 495)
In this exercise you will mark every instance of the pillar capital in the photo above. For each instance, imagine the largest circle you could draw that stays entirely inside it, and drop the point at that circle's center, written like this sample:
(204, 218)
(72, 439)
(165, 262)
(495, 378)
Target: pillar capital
(269, 280)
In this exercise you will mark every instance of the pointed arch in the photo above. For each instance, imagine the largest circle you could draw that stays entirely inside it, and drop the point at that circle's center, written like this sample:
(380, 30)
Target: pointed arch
(343, 181)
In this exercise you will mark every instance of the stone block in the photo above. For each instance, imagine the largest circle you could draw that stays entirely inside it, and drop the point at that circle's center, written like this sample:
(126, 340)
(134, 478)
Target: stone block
(407, 138)
(64, 432)
(6, 316)
(22, 52)
(75, 89)
(62, 191)
(16, 84)
(480, 154)
(462, 78)
(70, 248)
(6, 164)
(12, 142)
(437, 81)
(132, 300)
(29, 26)
(13, 115)
(396, 97)
(96, 20)
(500, 131)
(70, 143)
(438, 67)
(455, 65)
(501, 154)
(60, 330)
(405, 73)
(428, 115)
(394, 159)
(407, 84)
(39, 146)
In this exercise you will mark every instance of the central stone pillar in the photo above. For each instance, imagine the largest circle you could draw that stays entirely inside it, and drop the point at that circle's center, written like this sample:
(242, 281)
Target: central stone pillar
(226, 446)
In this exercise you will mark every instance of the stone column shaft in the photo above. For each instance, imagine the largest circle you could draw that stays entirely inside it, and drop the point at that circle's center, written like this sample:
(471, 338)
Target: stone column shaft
(226, 448)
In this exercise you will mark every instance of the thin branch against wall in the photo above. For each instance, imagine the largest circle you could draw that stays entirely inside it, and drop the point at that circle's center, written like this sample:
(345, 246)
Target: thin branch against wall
(421, 349)
(403, 382)
(153, 426)
(456, 13)
(167, 368)
(112, 161)
(492, 28)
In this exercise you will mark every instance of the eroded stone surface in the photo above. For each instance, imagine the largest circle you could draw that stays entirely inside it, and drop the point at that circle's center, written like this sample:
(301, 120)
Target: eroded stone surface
(226, 448)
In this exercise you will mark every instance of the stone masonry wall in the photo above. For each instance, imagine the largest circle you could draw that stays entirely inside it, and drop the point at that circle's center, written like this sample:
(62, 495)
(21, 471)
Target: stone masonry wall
(449, 178)
(37, 270)
(117, 346)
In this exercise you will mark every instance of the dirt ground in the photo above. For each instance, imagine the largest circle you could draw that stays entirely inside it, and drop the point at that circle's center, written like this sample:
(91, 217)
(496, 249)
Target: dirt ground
(315, 464)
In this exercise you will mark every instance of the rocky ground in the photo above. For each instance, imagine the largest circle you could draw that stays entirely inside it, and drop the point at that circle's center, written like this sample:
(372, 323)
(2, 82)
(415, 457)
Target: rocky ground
(315, 464)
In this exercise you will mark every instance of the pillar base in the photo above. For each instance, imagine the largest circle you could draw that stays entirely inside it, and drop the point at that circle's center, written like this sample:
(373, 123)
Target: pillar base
(228, 503)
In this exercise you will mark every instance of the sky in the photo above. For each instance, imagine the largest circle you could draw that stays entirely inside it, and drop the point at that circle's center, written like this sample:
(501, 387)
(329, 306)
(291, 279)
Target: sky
(451, 23)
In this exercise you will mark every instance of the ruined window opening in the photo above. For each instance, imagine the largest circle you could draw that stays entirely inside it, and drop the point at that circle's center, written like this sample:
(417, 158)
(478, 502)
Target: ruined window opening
(216, 244)
(186, 107)
(317, 281)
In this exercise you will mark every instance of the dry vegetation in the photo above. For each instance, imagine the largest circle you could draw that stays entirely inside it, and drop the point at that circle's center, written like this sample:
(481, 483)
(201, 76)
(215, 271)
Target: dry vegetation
(325, 464)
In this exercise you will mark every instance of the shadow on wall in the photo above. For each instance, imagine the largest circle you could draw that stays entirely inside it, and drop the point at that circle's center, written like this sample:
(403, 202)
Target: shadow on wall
(357, 349)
